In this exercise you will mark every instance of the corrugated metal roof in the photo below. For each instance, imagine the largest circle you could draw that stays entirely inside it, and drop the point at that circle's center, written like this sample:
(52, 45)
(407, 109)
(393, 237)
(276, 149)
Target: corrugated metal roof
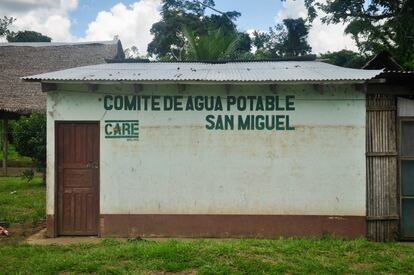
(269, 71)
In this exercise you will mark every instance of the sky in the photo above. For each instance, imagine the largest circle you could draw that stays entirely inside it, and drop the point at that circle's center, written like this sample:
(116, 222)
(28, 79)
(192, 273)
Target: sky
(131, 20)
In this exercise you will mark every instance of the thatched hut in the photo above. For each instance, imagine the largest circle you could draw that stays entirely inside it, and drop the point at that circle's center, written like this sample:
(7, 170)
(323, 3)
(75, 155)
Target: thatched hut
(20, 59)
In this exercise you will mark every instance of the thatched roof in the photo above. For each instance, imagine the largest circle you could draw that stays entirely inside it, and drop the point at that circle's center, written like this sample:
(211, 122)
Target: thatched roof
(22, 59)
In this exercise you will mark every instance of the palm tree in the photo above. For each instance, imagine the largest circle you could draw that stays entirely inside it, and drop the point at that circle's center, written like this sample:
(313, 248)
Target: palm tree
(215, 44)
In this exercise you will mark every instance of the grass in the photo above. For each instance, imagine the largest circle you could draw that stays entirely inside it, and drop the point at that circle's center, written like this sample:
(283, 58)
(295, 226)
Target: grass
(292, 255)
(212, 257)
(14, 159)
(21, 201)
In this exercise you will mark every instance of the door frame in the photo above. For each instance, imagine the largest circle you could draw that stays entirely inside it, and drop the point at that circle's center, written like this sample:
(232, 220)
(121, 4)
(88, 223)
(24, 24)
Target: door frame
(55, 166)
(400, 120)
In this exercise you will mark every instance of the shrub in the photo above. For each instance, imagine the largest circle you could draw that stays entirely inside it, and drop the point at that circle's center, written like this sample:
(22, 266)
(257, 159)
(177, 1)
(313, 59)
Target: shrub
(29, 135)
(28, 175)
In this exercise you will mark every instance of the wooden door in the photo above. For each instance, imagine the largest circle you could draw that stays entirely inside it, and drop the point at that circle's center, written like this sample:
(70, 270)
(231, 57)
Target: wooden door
(77, 149)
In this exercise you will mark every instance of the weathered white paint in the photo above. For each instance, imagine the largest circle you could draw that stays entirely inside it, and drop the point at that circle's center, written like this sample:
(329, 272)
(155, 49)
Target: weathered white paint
(180, 167)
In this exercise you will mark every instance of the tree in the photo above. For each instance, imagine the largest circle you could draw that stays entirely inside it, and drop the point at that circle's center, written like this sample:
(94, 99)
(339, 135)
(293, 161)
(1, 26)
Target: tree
(294, 39)
(284, 40)
(375, 25)
(28, 36)
(345, 58)
(133, 53)
(5, 23)
(29, 135)
(169, 40)
(216, 44)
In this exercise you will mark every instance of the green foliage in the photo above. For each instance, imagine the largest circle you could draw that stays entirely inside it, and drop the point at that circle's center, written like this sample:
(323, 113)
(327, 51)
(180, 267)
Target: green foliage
(29, 135)
(294, 40)
(14, 159)
(5, 23)
(28, 36)
(345, 58)
(21, 201)
(28, 175)
(375, 25)
(284, 40)
(169, 42)
(133, 53)
(216, 44)
(282, 256)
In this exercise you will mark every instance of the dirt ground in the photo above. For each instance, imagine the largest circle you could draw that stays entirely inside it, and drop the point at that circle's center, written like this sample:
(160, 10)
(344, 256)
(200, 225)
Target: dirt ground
(20, 231)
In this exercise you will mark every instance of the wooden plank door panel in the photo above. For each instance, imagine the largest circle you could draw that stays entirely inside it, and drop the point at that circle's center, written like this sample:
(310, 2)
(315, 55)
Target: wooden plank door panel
(78, 178)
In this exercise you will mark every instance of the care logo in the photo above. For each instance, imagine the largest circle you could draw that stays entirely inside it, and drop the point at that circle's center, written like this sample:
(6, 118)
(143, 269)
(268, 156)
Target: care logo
(127, 129)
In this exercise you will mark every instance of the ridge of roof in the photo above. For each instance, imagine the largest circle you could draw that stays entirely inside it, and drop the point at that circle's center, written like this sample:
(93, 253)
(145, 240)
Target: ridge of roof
(310, 57)
(57, 44)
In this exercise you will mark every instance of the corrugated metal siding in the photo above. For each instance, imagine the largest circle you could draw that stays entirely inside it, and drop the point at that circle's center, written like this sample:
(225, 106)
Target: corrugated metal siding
(232, 71)
(382, 201)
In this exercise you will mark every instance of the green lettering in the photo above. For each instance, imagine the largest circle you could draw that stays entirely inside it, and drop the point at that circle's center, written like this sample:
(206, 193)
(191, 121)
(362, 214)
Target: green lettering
(243, 124)
(108, 127)
(251, 102)
(126, 129)
(279, 122)
(259, 104)
(209, 104)
(134, 128)
(218, 106)
(210, 121)
(270, 103)
(219, 123)
(270, 122)
(168, 103)
(290, 103)
(117, 129)
(288, 127)
(279, 108)
(229, 122)
(189, 106)
(155, 103)
(241, 103)
(108, 105)
(118, 102)
(178, 104)
(199, 103)
(260, 125)
(231, 100)
(130, 103)
(146, 99)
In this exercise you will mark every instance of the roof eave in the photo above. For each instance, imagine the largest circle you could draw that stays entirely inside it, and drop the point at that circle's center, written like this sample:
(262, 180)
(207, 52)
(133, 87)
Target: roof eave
(204, 82)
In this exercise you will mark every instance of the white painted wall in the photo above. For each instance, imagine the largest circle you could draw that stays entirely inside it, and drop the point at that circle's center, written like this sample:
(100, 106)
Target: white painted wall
(180, 167)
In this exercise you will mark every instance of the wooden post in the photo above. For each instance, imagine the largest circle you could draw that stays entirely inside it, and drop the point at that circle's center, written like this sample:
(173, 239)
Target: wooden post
(5, 143)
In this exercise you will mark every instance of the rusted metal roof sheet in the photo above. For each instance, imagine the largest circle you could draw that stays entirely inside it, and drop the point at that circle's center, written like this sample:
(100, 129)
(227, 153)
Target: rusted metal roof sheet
(269, 71)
